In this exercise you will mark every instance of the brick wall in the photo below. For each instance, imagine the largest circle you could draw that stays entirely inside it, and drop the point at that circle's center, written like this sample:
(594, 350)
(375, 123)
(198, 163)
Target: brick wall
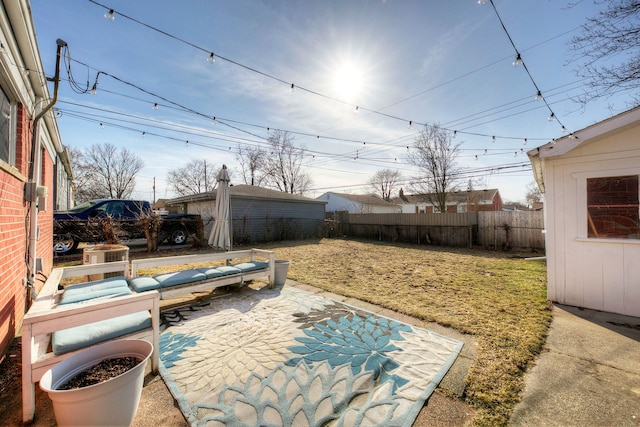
(13, 239)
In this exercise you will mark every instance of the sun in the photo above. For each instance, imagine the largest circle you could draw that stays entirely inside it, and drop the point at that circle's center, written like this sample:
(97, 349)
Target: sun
(348, 81)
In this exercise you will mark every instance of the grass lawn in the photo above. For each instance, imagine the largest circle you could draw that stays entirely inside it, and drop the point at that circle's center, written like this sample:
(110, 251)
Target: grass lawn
(497, 297)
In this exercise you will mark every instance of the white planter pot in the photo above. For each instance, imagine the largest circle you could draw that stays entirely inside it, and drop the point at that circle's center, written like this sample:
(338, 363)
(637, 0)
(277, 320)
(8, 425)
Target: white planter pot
(110, 403)
(281, 270)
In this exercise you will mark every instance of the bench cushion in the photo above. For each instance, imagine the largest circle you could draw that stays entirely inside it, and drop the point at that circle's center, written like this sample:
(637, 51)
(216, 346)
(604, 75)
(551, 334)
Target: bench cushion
(78, 337)
(179, 277)
(228, 270)
(211, 272)
(111, 287)
(252, 266)
(144, 283)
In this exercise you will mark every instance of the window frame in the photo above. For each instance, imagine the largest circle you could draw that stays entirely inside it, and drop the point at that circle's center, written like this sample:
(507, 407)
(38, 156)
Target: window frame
(582, 210)
(12, 138)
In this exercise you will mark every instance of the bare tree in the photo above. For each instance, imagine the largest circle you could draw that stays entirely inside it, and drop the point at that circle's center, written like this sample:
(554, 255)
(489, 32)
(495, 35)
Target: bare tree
(607, 52)
(195, 177)
(283, 164)
(534, 195)
(384, 182)
(435, 155)
(104, 171)
(86, 185)
(251, 161)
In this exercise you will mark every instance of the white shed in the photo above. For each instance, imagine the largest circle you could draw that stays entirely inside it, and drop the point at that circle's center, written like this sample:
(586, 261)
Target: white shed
(590, 181)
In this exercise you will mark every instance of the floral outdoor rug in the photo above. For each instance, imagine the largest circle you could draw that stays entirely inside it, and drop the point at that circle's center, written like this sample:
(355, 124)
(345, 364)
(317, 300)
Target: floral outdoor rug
(287, 357)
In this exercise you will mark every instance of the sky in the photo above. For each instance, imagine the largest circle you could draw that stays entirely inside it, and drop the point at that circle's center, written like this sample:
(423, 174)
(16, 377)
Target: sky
(403, 63)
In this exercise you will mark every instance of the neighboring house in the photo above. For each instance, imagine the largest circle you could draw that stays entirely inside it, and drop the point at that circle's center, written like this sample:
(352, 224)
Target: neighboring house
(357, 203)
(35, 171)
(457, 201)
(259, 214)
(591, 185)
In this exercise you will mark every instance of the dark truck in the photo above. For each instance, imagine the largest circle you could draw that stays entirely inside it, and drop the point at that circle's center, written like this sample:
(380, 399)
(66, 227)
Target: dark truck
(92, 222)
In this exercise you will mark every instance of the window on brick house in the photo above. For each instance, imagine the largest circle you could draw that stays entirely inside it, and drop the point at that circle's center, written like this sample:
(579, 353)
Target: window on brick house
(7, 143)
(613, 210)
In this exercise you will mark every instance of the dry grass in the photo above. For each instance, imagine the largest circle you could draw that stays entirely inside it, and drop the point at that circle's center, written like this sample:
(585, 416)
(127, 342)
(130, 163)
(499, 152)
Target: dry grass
(499, 298)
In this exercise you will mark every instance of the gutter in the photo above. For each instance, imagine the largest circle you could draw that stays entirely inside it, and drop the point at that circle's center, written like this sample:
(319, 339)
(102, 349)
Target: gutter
(31, 191)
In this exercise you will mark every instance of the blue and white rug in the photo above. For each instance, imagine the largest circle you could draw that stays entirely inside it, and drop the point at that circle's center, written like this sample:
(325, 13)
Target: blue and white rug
(287, 357)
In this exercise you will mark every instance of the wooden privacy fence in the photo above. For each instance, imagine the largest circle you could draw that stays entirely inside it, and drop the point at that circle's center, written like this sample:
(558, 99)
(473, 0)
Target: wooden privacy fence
(496, 230)
(506, 230)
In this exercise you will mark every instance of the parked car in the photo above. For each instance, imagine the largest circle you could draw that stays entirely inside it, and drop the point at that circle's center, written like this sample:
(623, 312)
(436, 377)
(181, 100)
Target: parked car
(92, 220)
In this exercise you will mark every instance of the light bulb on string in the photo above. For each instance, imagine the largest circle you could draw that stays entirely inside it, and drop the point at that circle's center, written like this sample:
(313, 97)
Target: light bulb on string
(538, 96)
(455, 133)
(143, 134)
(524, 141)
(155, 106)
(476, 157)
(186, 143)
(111, 15)
(551, 117)
(515, 154)
(211, 59)
(493, 139)
(410, 124)
(485, 151)
(518, 61)
(101, 126)
(214, 121)
(94, 89)
(356, 110)
(564, 129)
(293, 88)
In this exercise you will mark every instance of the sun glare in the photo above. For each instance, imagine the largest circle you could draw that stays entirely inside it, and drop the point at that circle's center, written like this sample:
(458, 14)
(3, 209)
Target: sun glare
(348, 81)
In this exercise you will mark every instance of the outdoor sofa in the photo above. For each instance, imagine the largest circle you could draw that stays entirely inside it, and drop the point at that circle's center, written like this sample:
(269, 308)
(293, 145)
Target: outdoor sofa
(65, 320)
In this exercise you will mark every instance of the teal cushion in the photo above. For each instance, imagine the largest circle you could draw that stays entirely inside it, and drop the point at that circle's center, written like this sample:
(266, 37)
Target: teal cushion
(78, 337)
(179, 277)
(211, 272)
(144, 283)
(252, 266)
(114, 286)
(227, 270)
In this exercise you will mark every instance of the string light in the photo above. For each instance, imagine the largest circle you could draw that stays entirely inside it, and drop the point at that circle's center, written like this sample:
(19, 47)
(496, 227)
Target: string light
(524, 142)
(493, 139)
(455, 133)
(518, 61)
(410, 124)
(356, 110)
(111, 15)
(539, 96)
(94, 89)
(143, 134)
(155, 106)
(215, 122)
(564, 129)
(293, 88)
(551, 117)
(101, 126)
(211, 59)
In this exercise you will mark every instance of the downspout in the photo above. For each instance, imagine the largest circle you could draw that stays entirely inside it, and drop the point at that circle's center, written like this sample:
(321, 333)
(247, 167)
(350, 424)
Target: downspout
(30, 187)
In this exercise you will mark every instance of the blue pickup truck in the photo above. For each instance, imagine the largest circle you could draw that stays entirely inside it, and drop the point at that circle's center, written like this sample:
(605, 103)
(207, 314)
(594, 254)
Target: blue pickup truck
(86, 223)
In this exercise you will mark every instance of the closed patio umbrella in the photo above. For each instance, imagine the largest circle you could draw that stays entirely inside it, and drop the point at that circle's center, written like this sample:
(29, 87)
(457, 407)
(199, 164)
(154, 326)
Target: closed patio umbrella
(221, 232)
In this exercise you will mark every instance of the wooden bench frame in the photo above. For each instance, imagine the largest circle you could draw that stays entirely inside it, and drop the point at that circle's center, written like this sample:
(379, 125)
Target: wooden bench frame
(45, 317)
(216, 282)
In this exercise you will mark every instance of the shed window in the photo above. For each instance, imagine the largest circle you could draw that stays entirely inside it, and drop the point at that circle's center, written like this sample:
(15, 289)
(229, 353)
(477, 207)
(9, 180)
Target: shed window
(613, 210)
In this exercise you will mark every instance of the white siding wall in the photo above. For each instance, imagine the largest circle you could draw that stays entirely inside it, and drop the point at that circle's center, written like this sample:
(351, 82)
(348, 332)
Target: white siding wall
(601, 274)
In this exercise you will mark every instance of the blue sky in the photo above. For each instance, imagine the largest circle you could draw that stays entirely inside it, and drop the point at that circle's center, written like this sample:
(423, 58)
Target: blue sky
(421, 61)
